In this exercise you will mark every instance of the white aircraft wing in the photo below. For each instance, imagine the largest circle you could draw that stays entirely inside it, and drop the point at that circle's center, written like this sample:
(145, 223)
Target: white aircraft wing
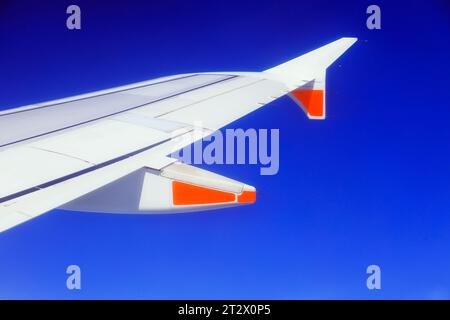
(107, 151)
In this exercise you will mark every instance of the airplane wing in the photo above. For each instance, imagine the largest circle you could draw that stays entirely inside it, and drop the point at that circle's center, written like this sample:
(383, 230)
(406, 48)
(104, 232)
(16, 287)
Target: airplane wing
(107, 151)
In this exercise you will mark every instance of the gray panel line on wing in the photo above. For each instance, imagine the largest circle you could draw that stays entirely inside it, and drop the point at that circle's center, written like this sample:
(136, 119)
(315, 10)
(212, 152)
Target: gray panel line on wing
(208, 98)
(61, 154)
(94, 96)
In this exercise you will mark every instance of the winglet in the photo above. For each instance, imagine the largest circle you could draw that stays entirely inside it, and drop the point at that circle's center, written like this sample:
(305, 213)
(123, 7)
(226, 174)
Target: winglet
(305, 76)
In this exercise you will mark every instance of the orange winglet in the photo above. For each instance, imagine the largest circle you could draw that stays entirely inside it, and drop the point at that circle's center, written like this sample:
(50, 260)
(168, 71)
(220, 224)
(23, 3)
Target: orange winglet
(312, 101)
(189, 194)
(247, 197)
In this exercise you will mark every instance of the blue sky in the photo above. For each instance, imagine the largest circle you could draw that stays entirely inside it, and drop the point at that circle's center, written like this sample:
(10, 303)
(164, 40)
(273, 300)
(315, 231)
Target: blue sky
(370, 185)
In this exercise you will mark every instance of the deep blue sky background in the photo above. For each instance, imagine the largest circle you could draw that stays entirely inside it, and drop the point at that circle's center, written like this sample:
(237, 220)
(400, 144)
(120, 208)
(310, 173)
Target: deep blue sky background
(370, 185)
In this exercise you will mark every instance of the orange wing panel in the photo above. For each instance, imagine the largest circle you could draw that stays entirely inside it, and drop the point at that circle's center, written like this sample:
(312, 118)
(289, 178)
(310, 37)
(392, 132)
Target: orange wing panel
(189, 194)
